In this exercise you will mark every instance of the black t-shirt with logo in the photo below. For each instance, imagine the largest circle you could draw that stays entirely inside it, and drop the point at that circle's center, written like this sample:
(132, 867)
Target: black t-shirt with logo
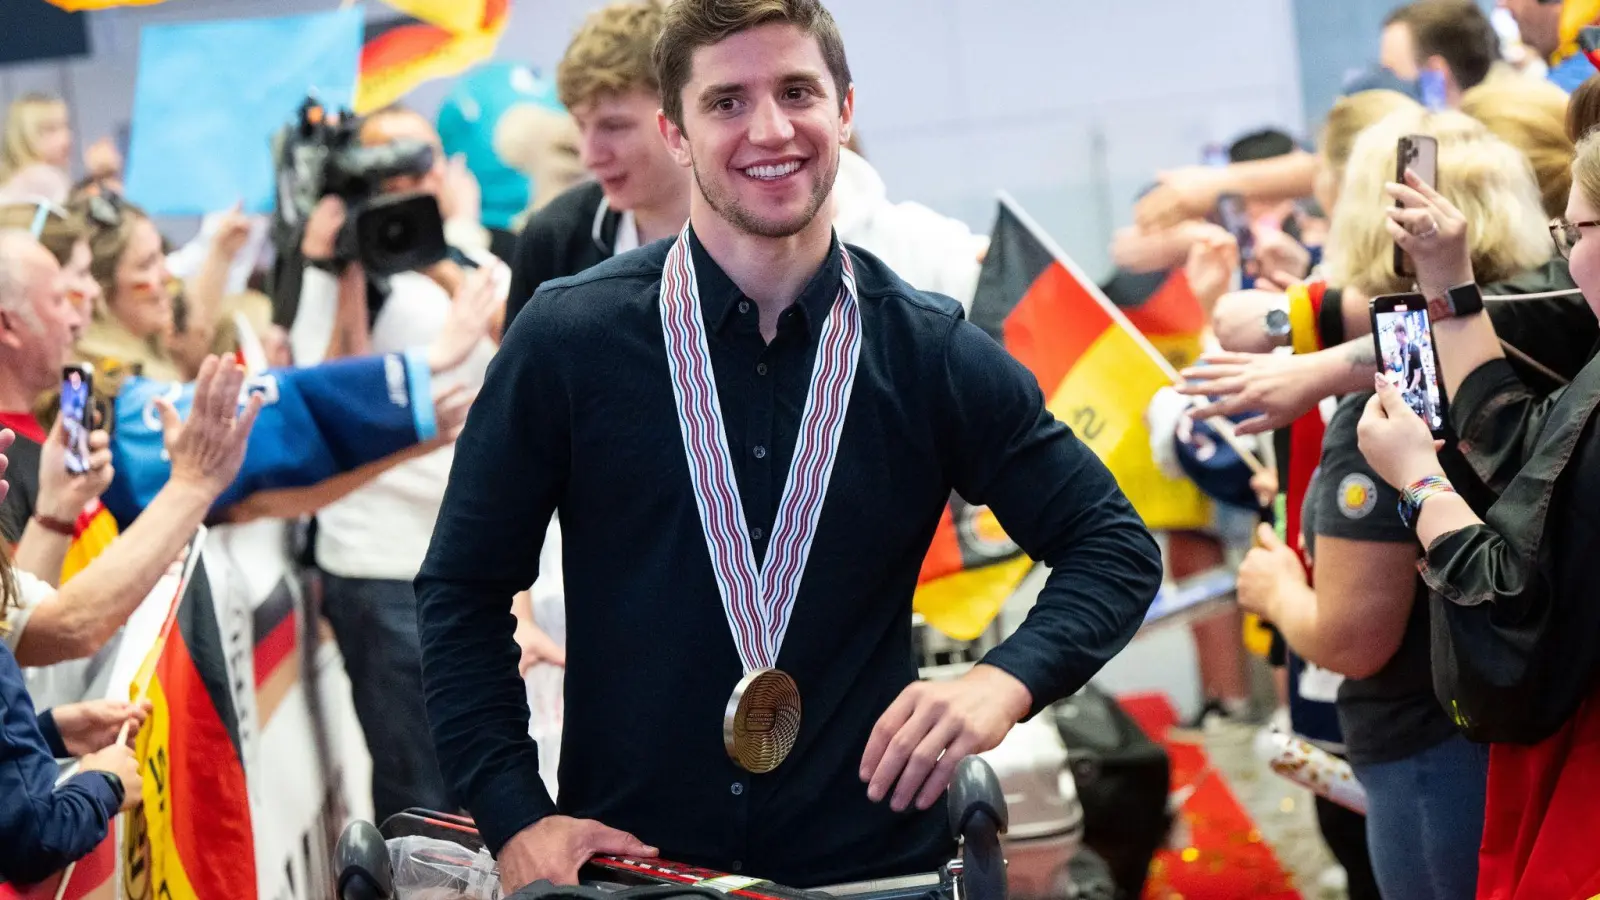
(1393, 714)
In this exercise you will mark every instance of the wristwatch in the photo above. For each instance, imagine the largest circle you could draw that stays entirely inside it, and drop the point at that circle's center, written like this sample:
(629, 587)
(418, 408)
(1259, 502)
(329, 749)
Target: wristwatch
(1461, 300)
(1277, 326)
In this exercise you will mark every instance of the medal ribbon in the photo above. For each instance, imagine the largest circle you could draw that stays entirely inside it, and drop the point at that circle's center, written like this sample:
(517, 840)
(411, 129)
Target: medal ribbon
(758, 603)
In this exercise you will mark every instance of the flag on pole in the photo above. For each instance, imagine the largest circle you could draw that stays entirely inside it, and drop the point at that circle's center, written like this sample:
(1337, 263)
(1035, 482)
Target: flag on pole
(91, 5)
(435, 39)
(193, 838)
(1098, 374)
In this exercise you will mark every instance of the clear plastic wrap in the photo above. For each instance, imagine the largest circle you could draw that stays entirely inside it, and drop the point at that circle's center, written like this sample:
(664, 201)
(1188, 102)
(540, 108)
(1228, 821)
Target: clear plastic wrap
(431, 869)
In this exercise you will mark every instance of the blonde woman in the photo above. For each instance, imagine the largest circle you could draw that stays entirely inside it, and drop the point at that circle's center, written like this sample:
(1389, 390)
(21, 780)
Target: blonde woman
(133, 324)
(37, 149)
(1493, 185)
(1367, 616)
(1531, 116)
(1240, 318)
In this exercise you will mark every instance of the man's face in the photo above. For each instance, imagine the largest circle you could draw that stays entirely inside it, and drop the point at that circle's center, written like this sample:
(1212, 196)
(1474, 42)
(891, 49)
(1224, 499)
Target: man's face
(1539, 23)
(1397, 51)
(619, 144)
(40, 333)
(1400, 336)
(407, 126)
(762, 128)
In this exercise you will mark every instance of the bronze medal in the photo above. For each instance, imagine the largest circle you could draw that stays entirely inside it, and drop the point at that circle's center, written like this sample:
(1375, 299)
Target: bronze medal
(762, 720)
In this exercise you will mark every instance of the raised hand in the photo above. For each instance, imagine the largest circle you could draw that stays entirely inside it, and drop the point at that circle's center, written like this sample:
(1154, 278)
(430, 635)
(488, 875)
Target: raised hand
(62, 494)
(208, 449)
(472, 311)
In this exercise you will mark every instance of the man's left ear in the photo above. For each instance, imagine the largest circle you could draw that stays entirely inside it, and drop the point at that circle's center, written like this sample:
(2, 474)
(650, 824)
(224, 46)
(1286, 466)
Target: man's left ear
(847, 115)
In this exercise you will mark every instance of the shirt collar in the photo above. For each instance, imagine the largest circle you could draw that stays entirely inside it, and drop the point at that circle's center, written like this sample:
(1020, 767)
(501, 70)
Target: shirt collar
(719, 297)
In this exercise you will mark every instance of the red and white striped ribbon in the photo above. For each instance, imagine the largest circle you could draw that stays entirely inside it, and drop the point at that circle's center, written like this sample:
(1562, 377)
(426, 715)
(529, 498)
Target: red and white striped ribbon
(758, 603)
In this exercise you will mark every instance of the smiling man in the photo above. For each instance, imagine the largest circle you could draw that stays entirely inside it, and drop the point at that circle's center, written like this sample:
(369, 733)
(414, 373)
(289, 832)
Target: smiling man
(750, 434)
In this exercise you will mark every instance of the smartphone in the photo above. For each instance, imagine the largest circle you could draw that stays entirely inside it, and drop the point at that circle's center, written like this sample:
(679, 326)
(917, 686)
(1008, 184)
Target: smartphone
(1407, 357)
(77, 382)
(1420, 154)
(1432, 91)
(1233, 215)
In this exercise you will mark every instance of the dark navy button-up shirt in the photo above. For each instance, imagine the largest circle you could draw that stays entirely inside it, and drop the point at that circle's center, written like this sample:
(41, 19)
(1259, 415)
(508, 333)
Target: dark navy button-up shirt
(577, 417)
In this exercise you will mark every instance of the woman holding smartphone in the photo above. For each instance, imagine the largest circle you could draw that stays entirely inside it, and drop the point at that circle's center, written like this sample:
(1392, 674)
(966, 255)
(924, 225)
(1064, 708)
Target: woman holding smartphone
(1518, 652)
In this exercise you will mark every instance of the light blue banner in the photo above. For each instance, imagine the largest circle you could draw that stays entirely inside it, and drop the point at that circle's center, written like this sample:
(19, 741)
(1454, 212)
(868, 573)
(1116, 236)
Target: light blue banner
(210, 96)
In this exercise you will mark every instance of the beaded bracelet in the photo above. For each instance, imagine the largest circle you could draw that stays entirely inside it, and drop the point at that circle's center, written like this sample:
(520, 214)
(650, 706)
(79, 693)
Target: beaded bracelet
(1412, 497)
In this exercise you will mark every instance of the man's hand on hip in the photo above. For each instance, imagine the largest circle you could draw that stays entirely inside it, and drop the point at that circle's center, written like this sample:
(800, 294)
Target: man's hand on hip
(932, 726)
(554, 849)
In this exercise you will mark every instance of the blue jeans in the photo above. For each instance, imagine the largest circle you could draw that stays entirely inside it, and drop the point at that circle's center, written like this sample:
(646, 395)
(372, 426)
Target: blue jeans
(375, 624)
(1425, 820)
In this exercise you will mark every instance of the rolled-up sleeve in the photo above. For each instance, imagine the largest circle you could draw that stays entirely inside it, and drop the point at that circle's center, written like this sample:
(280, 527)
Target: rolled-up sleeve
(510, 466)
(1061, 505)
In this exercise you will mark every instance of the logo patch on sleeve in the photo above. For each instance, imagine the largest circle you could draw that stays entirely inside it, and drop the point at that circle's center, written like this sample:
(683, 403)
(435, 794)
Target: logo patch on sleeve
(1357, 496)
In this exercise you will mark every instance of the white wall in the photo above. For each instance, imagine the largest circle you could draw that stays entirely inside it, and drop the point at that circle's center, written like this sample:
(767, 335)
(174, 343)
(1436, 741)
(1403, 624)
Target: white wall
(1070, 105)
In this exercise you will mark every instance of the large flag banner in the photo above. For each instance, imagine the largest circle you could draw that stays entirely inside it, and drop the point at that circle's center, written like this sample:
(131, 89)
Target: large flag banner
(435, 39)
(1098, 374)
(89, 5)
(209, 96)
(193, 838)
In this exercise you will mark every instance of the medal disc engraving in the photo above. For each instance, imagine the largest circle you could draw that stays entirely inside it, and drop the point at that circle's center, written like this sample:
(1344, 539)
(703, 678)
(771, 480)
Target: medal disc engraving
(762, 720)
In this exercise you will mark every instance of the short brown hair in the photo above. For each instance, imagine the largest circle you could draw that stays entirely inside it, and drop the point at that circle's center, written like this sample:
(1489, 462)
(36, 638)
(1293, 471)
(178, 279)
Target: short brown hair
(61, 232)
(692, 24)
(610, 54)
(1455, 30)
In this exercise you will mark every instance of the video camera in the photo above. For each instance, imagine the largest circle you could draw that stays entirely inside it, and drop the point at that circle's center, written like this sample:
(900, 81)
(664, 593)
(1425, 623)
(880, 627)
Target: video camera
(320, 154)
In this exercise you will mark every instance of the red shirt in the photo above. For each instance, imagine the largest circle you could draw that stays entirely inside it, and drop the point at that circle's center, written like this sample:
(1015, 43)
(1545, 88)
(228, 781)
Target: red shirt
(1542, 815)
(24, 424)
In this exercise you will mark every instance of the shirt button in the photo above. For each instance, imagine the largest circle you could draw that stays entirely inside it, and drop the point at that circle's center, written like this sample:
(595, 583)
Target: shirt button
(738, 788)
(760, 452)
(761, 368)
(744, 306)
(757, 534)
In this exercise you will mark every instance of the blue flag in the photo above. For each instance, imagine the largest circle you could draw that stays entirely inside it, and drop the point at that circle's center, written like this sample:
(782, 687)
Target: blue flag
(210, 95)
(315, 423)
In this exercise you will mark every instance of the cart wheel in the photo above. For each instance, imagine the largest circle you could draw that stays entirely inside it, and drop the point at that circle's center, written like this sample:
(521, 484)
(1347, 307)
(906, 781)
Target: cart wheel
(363, 860)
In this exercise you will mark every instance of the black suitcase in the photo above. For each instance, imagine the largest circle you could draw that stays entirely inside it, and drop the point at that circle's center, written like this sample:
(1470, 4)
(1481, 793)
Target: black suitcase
(1124, 779)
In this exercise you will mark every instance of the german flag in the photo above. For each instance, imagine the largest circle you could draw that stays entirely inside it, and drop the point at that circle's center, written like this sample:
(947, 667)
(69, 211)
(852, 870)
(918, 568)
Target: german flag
(1098, 374)
(193, 838)
(434, 39)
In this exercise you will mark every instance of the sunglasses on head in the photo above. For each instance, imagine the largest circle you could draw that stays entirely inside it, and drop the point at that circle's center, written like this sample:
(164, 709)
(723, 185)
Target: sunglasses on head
(104, 209)
(43, 209)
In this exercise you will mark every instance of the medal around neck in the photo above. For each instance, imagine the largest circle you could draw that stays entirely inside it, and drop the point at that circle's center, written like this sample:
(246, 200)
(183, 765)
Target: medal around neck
(761, 722)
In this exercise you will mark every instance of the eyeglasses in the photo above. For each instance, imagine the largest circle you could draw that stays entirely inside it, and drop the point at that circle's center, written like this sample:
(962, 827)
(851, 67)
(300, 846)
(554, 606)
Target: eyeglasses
(1567, 234)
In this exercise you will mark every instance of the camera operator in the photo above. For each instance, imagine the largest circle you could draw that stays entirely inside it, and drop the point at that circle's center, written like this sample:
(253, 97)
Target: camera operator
(369, 543)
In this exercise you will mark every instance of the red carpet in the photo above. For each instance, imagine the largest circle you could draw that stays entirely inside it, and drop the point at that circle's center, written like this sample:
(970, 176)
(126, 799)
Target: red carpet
(1226, 858)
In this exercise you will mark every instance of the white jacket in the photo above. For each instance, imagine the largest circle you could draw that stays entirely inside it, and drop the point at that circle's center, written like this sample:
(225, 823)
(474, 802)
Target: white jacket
(932, 252)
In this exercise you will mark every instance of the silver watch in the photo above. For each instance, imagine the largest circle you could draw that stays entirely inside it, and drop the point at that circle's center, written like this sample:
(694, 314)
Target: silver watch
(1277, 325)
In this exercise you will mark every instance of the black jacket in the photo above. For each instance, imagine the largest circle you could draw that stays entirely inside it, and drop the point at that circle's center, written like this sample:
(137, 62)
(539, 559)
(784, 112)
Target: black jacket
(576, 230)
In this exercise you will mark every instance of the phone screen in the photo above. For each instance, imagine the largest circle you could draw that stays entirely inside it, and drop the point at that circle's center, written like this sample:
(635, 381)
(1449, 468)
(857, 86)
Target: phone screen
(1407, 359)
(1417, 153)
(75, 381)
(1234, 216)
